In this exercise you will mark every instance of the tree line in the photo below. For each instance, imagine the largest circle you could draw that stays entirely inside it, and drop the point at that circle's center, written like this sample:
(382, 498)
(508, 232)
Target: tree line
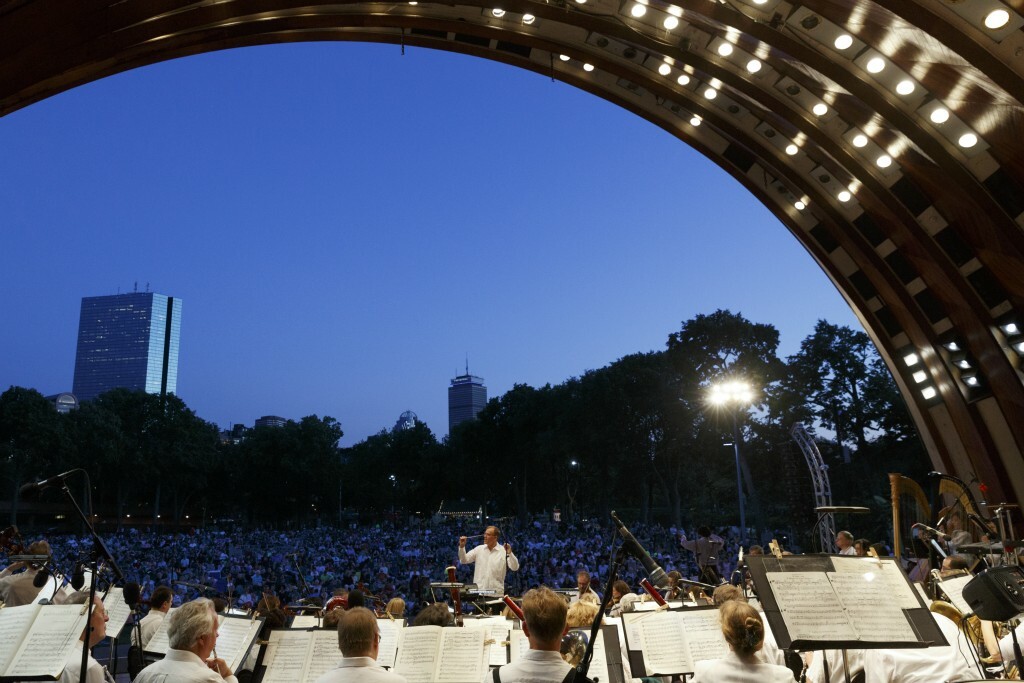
(638, 435)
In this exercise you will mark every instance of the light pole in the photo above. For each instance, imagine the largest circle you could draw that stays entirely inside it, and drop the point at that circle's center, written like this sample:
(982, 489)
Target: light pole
(732, 395)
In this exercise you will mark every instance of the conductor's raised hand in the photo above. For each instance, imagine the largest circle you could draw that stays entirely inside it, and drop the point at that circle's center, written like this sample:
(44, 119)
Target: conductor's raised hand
(508, 548)
(462, 541)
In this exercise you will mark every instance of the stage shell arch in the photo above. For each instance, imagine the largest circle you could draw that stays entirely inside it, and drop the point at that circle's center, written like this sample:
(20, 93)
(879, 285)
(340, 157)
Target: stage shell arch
(886, 135)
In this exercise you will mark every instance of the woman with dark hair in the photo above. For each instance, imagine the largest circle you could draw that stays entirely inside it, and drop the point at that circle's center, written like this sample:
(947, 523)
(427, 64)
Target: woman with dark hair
(744, 631)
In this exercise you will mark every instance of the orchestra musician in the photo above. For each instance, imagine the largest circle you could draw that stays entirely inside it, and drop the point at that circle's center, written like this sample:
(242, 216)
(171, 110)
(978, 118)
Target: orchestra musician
(359, 642)
(16, 586)
(583, 587)
(97, 631)
(159, 603)
(744, 632)
(491, 561)
(545, 613)
(192, 635)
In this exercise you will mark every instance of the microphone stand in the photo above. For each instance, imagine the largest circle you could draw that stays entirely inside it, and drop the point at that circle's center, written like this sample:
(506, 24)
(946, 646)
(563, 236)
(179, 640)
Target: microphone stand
(98, 549)
(613, 574)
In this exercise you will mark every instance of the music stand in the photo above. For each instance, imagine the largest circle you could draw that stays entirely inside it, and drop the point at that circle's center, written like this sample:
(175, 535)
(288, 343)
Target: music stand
(825, 512)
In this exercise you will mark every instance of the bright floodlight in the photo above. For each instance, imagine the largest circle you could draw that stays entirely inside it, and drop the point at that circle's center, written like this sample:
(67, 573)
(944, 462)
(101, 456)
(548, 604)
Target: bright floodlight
(905, 87)
(564, 58)
(997, 18)
(710, 93)
(792, 149)
(754, 65)
(739, 393)
(588, 67)
(860, 140)
(911, 359)
(844, 41)
(875, 65)
(844, 196)
(971, 380)
(1011, 328)
(725, 49)
(820, 109)
(920, 376)
(884, 161)
(695, 121)
(529, 19)
(638, 10)
(800, 206)
(939, 115)
(665, 69)
(968, 140)
(928, 393)
(670, 22)
(499, 13)
(683, 79)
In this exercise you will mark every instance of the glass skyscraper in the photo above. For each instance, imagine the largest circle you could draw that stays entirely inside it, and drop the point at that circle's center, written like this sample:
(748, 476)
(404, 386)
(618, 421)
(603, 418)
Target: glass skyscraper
(467, 396)
(129, 341)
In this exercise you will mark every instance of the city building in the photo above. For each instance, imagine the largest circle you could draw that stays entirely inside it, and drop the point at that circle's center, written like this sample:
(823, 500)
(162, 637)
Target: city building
(127, 341)
(467, 396)
(271, 421)
(406, 420)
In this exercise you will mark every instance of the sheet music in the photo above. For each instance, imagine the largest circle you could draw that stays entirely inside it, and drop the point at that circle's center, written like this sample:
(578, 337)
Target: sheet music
(388, 648)
(954, 590)
(497, 652)
(288, 653)
(664, 644)
(305, 621)
(325, 654)
(14, 623)
(882, 572)
(464, 658)
(809, 606)
(418, 653)
(55, 630)
(518, 644)
(235, 634)
(159, 644)
(117, 609)
(704, 634)
(599, 664)
(871, 607)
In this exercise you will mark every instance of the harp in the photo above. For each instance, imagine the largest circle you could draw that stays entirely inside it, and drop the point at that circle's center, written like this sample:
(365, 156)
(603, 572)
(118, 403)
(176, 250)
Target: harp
(959, 509)
(909, 505)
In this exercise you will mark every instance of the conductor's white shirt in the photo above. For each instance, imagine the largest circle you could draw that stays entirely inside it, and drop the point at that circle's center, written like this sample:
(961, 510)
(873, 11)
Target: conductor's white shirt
(489, 573)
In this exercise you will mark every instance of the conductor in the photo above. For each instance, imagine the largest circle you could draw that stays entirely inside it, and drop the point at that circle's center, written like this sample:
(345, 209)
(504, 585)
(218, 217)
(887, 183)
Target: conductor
(491, 561)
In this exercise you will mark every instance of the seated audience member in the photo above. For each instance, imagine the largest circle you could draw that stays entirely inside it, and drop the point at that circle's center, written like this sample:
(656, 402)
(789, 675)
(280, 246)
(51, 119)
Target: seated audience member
(359, 642)
(744, 632)
(95, 631)
(545, 613)
(436, 614)
(192, 636)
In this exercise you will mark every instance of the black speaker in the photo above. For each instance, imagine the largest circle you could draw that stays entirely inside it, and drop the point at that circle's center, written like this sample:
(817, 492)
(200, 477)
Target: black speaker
(996, 594)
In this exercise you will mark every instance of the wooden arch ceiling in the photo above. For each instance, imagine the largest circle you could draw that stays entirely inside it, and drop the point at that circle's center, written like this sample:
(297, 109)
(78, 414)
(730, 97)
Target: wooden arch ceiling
(926, 246)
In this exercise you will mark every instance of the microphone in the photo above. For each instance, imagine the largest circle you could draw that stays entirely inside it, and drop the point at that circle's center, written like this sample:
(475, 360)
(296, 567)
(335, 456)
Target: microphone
(198, 586)
(933, 532)
(78, 577)
(657, 574)
(41, 577)
(132, 594)
(34, 487)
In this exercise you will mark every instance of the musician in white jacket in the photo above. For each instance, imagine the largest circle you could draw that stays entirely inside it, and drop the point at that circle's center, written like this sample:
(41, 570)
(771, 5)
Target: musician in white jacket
(744, 631)
(192, 634)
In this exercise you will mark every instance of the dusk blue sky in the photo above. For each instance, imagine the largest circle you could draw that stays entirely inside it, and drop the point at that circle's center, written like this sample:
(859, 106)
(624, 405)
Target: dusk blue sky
(345, 224)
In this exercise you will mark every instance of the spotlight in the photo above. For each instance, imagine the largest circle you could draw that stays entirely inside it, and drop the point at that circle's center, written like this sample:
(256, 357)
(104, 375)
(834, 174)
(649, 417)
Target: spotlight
(939, 115)
(997, 18)
(920, 376)
(725, 49)
(820, 109)
(970, 379)
(844, 41)
(929, 393)
(884, 161)
(664, 69)
(905, 87)
(800, 206)
(754, 65)
(564, 58)
(860, 140)
(529, 19)
(875, 65)
(792, 149)
(588, 67)
(670, 22)
(638, 10)
(683, 79)
(710, 93)
(499, 13)
(695, 121)
(911, 359)
(844, 196)
(968, 140)
(1010, 329)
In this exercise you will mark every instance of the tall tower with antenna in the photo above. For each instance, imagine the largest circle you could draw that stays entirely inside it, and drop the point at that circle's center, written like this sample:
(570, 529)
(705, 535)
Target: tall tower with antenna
(467, 396)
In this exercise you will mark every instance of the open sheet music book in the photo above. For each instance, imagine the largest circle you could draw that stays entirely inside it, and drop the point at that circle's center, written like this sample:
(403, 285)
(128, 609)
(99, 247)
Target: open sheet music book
(236, 636)
(35, 640)
(431, 654)
(816, 602)
(117, 609)
(672, 641)
(300, 656)
(498, 630)
(953, 588)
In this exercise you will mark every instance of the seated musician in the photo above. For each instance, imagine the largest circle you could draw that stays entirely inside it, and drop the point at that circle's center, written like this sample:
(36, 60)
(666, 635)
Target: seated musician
(583, 586)
(545, 624)
(675, 590)
(159, 603)
(770, 653)
(16, 586)
(192, 635)
(435, 614)
(861, 547)
(359, 642)
(743, 629)
(936, 663)
(396, 608)
(95, 631)
(619, 588)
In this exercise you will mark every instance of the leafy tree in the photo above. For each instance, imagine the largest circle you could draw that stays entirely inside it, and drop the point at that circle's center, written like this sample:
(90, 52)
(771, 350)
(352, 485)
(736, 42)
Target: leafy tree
(30, 437)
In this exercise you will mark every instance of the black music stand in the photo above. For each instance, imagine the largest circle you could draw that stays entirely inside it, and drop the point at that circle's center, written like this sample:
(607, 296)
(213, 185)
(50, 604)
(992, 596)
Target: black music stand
(825, 510)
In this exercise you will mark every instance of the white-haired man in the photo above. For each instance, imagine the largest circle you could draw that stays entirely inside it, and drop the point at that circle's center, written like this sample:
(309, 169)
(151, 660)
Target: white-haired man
(192, 635)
